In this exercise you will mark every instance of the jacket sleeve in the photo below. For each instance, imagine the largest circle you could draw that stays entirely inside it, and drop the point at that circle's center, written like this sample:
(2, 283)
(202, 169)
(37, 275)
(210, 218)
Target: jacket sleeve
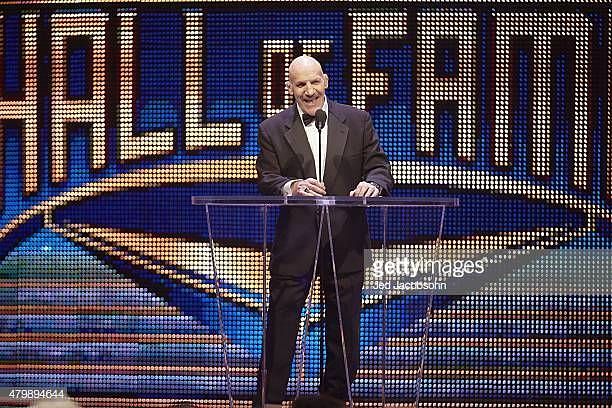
(376, 166)
(269, 178)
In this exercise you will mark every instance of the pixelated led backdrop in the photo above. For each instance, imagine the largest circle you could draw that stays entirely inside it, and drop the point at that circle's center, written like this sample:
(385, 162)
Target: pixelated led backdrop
(114, 115)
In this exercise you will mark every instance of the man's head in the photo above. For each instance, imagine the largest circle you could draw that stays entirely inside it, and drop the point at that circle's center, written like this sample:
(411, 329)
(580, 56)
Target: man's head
(307, 83)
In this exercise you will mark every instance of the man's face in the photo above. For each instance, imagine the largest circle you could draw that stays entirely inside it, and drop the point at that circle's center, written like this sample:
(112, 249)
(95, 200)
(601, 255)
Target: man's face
(308, 84)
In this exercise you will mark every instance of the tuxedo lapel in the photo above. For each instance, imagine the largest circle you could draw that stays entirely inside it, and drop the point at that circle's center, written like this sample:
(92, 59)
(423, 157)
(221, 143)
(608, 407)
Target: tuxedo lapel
(337, 132)
(296, 137)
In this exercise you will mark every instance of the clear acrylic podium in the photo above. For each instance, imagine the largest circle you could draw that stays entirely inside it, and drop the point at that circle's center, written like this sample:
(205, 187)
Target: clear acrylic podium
(267, 202)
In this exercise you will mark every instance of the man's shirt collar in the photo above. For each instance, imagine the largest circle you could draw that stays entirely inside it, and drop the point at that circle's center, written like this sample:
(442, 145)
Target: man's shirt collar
(301, 112)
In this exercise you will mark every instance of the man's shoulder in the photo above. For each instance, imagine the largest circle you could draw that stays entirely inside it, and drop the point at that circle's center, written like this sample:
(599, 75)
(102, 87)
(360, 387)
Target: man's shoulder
(284, 116)
(347, 110)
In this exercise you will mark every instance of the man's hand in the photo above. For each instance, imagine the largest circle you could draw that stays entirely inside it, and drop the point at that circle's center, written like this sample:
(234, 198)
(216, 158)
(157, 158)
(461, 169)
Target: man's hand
(365, 189)
(308, 187)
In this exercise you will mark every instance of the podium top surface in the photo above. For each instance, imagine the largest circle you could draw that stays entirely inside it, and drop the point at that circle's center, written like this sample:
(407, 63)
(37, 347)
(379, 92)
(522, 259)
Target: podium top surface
(332, 201)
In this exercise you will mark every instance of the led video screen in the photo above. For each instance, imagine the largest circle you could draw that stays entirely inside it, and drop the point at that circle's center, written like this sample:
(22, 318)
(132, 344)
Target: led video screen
(114, 115)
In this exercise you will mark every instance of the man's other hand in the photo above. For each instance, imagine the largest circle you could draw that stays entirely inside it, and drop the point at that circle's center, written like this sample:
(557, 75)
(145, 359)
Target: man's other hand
(365, 189)
(308, 187)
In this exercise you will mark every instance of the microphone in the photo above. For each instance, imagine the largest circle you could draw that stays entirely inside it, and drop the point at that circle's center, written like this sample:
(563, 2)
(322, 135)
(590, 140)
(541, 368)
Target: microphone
(320, 118)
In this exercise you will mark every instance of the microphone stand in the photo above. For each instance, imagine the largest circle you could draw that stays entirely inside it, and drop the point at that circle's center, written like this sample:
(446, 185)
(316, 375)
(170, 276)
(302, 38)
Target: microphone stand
(320, 119)
(320, 168)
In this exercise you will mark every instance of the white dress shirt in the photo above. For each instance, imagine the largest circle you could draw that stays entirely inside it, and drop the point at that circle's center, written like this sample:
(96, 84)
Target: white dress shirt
(313, 140)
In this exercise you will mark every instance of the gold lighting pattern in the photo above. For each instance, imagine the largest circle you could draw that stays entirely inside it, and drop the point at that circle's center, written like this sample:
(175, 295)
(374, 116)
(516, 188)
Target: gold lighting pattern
(66, 110)
(200, 135)
(317, 48)
(366, 27)
(543, 28)
(459, 26)
(134, 146)
(272, 49)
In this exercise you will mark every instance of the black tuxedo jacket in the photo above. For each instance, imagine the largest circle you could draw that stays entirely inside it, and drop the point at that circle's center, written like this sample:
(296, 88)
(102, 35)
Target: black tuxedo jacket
(353, 155)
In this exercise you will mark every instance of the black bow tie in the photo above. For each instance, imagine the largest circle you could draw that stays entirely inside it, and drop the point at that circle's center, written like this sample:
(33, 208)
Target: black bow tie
(308, 119)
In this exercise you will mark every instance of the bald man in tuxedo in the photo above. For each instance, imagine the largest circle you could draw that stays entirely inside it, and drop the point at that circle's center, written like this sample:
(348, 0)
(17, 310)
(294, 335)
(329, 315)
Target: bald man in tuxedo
(353, 164)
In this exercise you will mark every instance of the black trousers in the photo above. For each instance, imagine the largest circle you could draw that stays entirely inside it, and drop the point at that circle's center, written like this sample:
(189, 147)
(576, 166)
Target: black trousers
(287, 297)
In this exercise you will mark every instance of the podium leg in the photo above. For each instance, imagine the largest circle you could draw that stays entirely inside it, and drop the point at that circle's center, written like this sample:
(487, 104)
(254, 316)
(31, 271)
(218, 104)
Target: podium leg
(302, 353)
(228, 380)
(340, 322)
(264, 306)
(426, 327)
(384, 314)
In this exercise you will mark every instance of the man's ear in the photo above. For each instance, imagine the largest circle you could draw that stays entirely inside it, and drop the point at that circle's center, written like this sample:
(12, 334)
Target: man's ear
(289, 87)
(326, 80)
